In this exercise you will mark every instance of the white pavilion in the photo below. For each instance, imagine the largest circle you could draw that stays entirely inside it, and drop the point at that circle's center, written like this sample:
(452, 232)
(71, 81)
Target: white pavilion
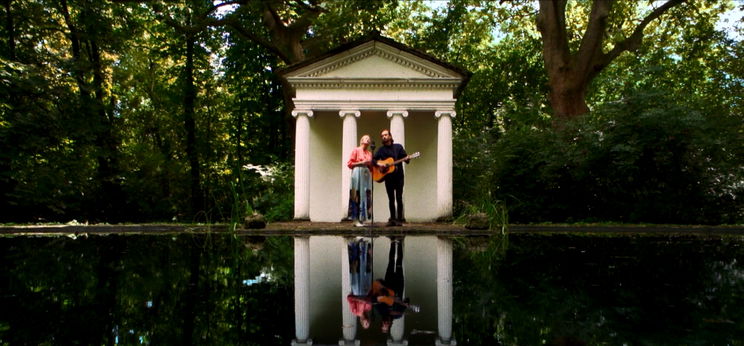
(362, 88)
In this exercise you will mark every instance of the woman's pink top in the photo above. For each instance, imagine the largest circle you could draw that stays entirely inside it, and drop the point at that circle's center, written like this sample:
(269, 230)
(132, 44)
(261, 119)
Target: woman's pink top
(359, 155)
(359, 305)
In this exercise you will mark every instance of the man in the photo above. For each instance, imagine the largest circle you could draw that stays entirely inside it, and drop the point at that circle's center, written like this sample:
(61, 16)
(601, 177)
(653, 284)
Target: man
(388, 292)
(393, 180)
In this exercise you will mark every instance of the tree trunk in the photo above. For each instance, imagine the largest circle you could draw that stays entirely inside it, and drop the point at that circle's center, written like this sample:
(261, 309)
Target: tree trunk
(197, 203)
(106, 142)
(10, 29)
(239, 149)
(568, 95)
(567, 87)
(77, 69)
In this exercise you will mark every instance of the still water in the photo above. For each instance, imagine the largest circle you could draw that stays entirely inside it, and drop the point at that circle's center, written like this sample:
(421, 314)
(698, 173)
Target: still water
(524, 289)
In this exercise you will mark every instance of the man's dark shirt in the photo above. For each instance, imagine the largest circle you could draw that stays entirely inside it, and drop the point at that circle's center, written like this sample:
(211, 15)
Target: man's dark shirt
(395, 151)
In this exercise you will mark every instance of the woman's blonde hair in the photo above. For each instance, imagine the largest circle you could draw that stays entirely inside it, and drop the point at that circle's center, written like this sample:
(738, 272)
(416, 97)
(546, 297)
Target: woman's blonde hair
(362, 139)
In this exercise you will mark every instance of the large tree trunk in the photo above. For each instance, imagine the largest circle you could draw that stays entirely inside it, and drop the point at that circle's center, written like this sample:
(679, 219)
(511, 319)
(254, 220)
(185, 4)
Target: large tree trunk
(568, 80)
(567, 95)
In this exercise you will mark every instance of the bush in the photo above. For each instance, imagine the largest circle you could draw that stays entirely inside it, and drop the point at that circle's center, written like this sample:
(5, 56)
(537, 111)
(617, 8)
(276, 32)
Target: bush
(646, 159)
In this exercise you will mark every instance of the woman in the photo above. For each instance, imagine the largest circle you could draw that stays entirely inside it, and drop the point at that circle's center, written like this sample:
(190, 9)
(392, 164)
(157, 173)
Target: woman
(360, 196)
(360, 268)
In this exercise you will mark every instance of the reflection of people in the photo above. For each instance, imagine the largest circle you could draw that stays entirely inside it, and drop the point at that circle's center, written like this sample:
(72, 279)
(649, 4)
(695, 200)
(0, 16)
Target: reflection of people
(361, 307)
(360, 162)
(360, 268)
(393, 180)
(388, 293)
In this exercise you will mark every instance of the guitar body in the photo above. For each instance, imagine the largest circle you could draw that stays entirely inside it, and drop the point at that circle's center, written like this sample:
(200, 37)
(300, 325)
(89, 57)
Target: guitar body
(379, 173)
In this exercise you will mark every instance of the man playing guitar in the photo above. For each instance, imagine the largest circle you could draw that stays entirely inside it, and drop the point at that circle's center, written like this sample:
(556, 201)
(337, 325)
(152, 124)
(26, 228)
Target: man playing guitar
(394, 180)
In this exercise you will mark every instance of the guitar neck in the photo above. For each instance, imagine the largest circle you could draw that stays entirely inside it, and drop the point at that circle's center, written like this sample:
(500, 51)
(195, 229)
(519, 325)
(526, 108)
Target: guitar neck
(408, 157)
(401, 160)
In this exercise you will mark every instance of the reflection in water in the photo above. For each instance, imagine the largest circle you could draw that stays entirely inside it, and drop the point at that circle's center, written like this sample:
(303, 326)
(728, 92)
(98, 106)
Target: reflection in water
(162, 290)
(360, 265)
(417, 277)
(358, 300)
(600, 289)
(387, 293)
(223, 289)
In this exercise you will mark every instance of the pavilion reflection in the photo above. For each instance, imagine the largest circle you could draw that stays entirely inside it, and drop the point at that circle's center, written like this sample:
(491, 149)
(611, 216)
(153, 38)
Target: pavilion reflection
(324, 276)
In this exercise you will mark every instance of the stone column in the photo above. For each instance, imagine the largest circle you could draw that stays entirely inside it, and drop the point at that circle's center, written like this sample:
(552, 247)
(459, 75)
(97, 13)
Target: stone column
(302, 164)
(444, 292)
(348, 143)
(444, 163)
(349, 320)
(396, 332)
(397, 127)
(302, 291)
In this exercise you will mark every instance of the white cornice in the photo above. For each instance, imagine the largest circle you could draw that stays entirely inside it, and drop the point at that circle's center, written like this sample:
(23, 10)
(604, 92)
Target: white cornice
(407, 83)
(381, 105)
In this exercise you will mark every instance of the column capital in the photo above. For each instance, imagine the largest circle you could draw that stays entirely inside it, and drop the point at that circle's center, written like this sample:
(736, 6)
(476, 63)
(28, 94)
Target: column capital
(403, 113)
(451, 113)
(353, 112)
(298, 112)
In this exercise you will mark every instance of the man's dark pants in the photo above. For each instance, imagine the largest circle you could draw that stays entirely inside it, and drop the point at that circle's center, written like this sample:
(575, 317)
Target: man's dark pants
(394, 189)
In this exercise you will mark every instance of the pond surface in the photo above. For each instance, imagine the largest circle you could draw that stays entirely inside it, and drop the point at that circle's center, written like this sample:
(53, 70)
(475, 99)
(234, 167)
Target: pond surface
(524, 289)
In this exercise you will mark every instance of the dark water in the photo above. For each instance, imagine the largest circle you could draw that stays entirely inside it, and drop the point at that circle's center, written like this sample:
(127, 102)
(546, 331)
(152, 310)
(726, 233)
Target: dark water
(520, 290)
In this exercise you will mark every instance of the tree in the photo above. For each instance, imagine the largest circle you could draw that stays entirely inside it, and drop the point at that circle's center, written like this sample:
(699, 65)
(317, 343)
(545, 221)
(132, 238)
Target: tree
(85, 32)
(189, 23)
(570, 70)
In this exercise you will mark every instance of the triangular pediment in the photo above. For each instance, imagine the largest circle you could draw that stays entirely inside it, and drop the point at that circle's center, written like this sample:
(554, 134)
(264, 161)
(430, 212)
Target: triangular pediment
(374, 60)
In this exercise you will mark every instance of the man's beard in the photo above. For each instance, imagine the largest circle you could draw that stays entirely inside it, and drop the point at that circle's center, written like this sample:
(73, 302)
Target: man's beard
(387, 141)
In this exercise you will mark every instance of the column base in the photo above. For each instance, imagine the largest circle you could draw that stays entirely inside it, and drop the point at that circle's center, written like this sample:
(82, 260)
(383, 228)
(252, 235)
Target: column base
(439, 342)
(343, 342)
(307, 342)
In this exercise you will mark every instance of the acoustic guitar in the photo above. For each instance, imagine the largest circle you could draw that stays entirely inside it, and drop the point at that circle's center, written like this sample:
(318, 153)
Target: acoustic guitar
(379, 173)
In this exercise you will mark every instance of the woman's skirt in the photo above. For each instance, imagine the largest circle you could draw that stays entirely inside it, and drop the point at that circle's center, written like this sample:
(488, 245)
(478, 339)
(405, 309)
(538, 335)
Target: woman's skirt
(360, 194)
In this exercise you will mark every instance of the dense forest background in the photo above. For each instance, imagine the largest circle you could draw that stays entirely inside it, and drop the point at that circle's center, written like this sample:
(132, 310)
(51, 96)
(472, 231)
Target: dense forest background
(577, 111)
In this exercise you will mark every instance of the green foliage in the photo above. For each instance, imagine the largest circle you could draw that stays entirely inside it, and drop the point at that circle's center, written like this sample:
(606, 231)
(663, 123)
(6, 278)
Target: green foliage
(646, 159)
(270, 194)
(495, 210)
(345, 20)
